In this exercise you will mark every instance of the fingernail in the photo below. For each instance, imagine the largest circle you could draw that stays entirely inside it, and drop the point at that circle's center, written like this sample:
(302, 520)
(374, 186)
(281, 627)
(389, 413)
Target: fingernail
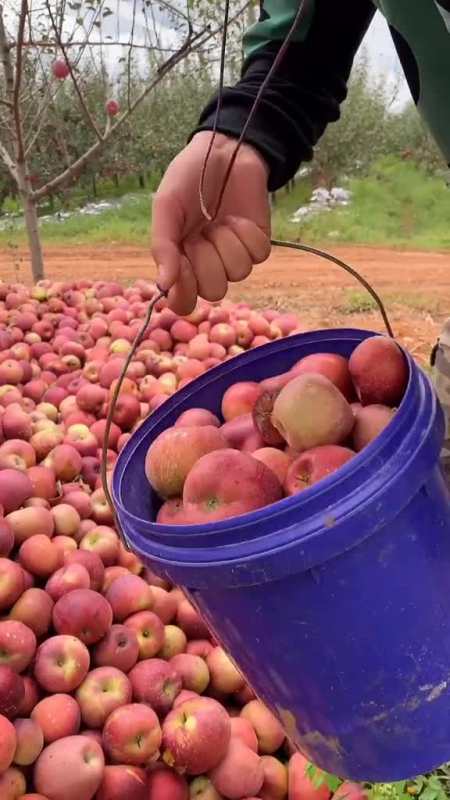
(163, 278)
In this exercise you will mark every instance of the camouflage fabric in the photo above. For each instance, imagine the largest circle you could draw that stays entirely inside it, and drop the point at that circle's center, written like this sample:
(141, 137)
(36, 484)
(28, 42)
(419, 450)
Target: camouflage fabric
(440, 361)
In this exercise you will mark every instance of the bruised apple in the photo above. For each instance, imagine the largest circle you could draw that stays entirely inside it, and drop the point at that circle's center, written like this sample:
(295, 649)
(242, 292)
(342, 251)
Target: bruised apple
(174, 452)
(315, 464)
(310, 411)
(228, 483)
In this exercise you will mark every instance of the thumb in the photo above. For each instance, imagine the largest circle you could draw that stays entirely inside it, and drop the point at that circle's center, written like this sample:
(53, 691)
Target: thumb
(167, 231)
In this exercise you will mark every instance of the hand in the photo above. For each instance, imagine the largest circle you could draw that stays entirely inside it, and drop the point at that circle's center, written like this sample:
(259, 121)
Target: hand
(198, 258)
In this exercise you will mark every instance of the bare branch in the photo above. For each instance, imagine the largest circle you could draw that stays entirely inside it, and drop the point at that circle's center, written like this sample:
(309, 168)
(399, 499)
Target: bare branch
(8, 161)
(18, 82)
(62, 47)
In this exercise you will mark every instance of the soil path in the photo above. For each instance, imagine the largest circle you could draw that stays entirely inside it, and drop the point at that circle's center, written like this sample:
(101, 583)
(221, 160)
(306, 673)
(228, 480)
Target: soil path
(415, 286)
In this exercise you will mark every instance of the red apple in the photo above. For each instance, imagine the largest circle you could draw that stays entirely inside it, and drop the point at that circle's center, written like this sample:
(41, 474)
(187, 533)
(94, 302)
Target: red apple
(101, 511)
(70, 769)
(128, 595)
(39, 556)
(156, 683)
(123, 781)
(227, 483)
(65, 461)
(16, 454)
(119, 648)
(16, 423)
(379, 371)
(240, 398)
(93, 564)
(190, 621)
(61, 664)
(8, 743)
(174, 452)
(199, 647)
(91, 397)
(26, 522)
(240, 433)
(164, 604)
(34, 608)
(12, 692)
(82, 439)
(60, 69)
(17, 645)
(369, 422)
(66, 579)
(243, 730)
(6, 538)
(301, 786)
(166, 784)
(104, 542)
(11, 583)
(12, 784)
(58, 716)
(15, 488)
(30, 698)
(66, 519)
(314, 465)
(197, 417)
(132, 734)
(43, 480)
(276, 460)
(103, 690)
(331, 366)
(239, 774)
(30, 741)
(111, 575)
(149, 631)
(196, 735)
(193, 671)
(83, 613)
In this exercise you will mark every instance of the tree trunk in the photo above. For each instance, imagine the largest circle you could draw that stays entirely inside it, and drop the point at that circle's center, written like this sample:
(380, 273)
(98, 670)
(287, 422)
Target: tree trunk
(94, 185)
(141, 179)
(34, 238)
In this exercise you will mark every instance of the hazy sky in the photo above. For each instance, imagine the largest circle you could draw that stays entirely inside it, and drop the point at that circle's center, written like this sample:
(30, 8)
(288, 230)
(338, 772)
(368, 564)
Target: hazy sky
(379, 45)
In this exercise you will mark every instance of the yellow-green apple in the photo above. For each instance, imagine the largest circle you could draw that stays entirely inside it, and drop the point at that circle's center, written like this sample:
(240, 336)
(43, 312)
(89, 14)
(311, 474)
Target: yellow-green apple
(224, 675)
(175, 641)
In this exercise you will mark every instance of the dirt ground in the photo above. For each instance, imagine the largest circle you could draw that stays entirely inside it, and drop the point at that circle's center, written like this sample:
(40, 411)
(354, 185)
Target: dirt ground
(415, 286)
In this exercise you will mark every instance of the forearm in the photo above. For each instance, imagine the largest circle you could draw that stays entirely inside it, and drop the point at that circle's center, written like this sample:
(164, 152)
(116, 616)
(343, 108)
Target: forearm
(310, 84)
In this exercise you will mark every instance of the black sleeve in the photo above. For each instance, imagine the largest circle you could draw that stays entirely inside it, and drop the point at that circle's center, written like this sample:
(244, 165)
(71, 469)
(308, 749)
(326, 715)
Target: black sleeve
(305, 93)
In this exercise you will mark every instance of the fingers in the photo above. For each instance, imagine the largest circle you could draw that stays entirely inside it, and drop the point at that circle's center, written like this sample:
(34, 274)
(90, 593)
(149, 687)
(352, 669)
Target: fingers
(255, 240)
(182, 297)
(234, 255)
(208, 268)
(167, 231)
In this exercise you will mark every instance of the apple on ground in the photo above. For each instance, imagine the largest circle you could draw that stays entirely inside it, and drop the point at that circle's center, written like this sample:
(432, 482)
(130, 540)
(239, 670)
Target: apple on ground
(123, 781)
(39, 556)
(57, 715)
(149, 631)
(31, 696)
(83, 613)
(119, 648)
(30, 741)
(275, 786)
(15, 488)
(103, 690)
(193, 671)
(132, 734)
(300, 785)
(239, 774)
(128, 595)
(11, 583)
(242, 729)
(66, 519)
(93, 564)
(199, 647)
(268, 730)
(13, 784)
(103, 541)
(155, 682)
(190, 620)
(8, 743)
(61, 664)
(7, 538)
(201, 788)
(28, 522)
(196, 736)
(164, 604)
(175, 642)
(17, 645)
(166, 784)
(12, 692)
(66, 579)
(224, 675)
(70, 769)
(34, 608)
(111, 575)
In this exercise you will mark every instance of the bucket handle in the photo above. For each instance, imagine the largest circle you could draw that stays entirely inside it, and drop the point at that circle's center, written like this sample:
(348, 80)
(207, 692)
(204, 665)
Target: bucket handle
(160, 294)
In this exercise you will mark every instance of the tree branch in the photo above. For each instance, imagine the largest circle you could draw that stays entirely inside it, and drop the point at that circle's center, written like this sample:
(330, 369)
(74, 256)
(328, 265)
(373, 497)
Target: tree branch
(62, 47)
(18, 82)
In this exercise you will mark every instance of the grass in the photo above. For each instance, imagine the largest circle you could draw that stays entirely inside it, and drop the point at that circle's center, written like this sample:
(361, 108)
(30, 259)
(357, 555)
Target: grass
(397, 204)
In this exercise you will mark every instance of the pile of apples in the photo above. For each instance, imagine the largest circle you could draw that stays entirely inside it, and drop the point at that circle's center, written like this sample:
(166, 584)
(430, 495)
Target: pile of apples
(277, 437)
(111, 686)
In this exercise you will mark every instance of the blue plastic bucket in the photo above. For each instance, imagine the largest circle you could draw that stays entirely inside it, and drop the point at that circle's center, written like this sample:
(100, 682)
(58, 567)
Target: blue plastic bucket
(334, 603)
